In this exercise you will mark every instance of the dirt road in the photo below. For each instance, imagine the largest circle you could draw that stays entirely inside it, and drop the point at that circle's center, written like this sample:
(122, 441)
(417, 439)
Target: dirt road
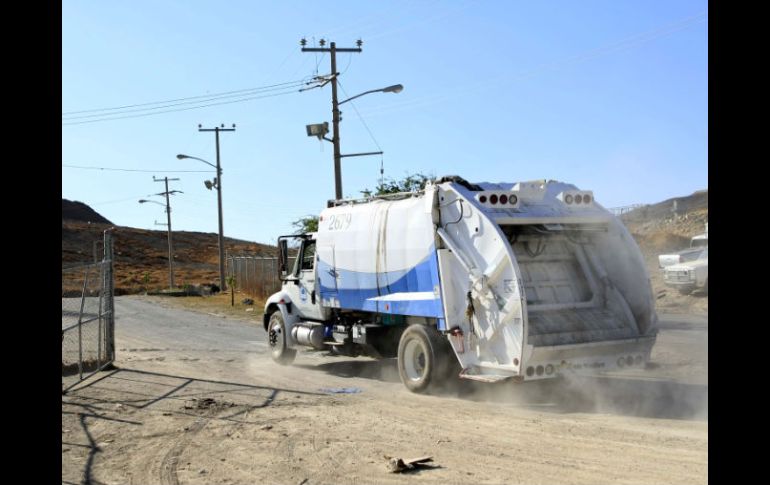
(196, 399)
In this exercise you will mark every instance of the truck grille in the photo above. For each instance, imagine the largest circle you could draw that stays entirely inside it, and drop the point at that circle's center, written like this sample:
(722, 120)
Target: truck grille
(684, 276)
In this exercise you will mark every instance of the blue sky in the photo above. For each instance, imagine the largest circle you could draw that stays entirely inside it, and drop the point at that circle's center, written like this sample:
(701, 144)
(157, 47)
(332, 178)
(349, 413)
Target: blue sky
(609, 95)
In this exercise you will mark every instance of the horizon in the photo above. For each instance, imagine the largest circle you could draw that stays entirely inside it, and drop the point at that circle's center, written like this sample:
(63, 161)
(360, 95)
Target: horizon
(269, 243)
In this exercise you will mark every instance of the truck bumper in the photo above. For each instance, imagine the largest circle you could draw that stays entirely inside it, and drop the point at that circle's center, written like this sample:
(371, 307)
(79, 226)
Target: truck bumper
(681, 285)
(588, 357)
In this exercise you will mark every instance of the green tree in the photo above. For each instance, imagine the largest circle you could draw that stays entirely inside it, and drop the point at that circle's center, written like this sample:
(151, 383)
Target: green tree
(410, 183)
(308, 223)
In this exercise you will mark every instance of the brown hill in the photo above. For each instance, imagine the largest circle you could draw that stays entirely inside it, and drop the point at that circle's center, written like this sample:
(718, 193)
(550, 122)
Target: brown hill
(658, 229)
(141, 256)
(669, 225)
(78, 211)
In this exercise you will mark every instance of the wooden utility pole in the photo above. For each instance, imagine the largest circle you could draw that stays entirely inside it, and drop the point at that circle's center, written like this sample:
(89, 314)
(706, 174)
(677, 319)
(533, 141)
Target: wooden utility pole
(219, 203)
(333, 50)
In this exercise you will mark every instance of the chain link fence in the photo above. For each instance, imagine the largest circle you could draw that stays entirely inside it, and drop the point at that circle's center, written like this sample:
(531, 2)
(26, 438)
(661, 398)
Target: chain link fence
(257, 276)
(88, 318)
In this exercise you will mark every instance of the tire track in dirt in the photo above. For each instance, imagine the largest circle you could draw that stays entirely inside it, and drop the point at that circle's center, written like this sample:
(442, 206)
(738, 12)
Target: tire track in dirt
(170, 461)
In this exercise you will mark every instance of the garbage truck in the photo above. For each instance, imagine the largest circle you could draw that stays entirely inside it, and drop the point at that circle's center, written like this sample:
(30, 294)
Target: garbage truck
(486, 281)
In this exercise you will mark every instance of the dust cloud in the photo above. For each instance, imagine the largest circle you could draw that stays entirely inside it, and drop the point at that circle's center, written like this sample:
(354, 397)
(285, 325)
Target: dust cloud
(573, 393)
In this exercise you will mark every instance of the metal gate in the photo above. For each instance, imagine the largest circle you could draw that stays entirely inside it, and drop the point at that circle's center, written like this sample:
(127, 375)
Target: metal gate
(88, 318)
(257, 276)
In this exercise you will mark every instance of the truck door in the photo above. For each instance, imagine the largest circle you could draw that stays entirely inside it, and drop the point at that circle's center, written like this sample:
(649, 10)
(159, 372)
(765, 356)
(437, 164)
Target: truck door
(303, 292)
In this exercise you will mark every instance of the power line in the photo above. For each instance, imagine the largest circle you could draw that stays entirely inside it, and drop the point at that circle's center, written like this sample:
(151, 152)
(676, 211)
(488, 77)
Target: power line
(584, 56)
(135, 170)
(139, 110)
(181, 109)
(350, 58)
(359, 115)
(441, 14)
(214, 95)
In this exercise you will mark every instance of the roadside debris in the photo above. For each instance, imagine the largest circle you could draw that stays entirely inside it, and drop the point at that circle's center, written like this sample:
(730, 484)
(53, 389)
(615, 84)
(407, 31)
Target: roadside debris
(206, 403)
(247, 301)
(398, 465)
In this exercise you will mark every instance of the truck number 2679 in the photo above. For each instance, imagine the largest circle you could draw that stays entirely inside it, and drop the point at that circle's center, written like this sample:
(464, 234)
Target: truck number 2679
(340, 222)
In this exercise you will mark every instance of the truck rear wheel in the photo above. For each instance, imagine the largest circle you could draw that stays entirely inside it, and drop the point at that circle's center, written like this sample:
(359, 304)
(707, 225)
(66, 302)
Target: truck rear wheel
(276, 339)
(424, 358)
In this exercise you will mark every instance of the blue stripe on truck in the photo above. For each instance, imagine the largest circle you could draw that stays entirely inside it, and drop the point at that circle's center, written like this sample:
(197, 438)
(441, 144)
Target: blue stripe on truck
(357, 290)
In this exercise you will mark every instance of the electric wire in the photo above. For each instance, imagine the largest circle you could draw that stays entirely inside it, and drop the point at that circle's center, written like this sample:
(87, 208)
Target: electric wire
(293, 91)
(236, 92)
(587, 55)
(350, 58)
(135, 170)
(147, 110)
(359, 116)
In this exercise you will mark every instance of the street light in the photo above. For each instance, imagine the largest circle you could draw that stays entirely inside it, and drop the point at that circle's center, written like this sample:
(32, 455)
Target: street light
(167, 205)
(396, 88)
(217, 184)
(320, 130)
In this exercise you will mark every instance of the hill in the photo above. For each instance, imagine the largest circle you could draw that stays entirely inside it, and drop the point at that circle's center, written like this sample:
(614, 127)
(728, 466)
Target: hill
(78, 211)
(669, 225)
(141, 256)
(658, 229)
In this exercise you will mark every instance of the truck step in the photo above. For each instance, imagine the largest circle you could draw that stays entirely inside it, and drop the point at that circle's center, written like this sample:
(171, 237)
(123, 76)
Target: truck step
(482, 377)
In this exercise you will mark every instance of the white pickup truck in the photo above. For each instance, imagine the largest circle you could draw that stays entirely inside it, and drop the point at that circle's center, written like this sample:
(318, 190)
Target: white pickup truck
(689, 276)
(697, 245)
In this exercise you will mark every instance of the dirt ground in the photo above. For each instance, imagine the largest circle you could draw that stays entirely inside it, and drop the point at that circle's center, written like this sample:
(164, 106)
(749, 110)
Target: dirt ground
(196, 399)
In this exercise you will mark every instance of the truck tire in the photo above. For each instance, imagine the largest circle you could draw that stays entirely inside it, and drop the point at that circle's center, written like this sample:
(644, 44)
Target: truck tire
(276, 339)
(425, 359)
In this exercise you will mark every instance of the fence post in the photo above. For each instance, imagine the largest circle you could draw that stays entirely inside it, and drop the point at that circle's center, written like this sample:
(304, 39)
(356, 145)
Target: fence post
(80, 324)
(109, 285)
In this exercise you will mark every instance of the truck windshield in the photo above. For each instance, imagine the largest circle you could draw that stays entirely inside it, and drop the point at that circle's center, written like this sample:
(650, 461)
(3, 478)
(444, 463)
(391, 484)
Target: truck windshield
(699, 243)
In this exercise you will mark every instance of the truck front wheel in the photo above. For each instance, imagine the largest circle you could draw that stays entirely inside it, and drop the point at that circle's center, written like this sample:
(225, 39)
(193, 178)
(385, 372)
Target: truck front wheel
(424, 358)
(276, 339)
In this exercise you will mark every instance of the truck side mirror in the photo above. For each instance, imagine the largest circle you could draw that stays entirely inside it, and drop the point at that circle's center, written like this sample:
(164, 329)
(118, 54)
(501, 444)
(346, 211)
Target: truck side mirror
(283, 258)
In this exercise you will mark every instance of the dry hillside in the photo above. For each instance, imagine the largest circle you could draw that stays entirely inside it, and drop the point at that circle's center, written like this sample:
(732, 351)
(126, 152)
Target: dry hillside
(141, 256)
(658, 230)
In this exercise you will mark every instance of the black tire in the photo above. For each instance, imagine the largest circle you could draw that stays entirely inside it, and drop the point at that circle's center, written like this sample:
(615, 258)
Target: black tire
(425, 358)
(276, 340)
